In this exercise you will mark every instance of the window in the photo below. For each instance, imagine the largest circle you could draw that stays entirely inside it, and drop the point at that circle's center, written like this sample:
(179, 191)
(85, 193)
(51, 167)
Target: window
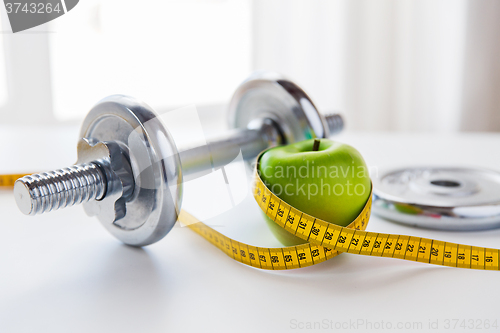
(166, 53)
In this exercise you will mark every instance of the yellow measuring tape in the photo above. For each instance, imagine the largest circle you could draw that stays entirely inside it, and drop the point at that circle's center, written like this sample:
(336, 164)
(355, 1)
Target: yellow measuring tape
(326, 240)
(7, 181)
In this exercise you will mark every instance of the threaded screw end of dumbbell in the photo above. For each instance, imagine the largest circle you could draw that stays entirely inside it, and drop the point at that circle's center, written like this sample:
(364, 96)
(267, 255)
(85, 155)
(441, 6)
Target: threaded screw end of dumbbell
(44, 192)
(335, 123)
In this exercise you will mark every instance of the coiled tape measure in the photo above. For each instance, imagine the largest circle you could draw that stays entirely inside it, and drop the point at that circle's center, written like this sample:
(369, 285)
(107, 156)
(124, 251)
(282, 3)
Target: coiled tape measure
(326, 240)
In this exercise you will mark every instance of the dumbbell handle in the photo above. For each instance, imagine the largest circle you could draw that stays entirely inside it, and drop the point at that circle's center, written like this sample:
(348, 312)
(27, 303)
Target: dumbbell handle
(222, 150)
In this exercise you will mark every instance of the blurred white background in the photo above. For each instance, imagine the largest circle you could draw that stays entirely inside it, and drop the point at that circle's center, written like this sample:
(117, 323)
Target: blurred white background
(404, 65)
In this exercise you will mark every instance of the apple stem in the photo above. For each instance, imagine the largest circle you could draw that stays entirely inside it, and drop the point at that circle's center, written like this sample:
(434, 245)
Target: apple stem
(316, 144)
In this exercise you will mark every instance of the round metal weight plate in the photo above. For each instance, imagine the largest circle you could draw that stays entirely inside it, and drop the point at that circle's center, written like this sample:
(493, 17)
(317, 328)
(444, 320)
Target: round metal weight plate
(150, 211)
(439, 197)
(268, 95)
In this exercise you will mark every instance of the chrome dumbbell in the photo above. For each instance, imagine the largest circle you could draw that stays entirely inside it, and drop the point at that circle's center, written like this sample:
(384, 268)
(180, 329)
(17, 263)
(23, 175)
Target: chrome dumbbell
(129, 171)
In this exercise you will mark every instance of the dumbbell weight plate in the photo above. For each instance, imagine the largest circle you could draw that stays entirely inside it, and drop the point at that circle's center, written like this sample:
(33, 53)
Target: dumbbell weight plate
(269, 95)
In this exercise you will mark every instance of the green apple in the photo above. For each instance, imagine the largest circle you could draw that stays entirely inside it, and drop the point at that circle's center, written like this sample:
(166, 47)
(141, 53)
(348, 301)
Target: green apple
(323, 178)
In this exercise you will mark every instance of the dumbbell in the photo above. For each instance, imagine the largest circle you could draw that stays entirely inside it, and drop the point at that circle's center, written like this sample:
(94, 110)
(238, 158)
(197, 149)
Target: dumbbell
(129, 172)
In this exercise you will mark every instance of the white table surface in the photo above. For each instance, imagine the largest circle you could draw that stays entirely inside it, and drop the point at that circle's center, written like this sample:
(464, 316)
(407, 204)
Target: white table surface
(62, 272)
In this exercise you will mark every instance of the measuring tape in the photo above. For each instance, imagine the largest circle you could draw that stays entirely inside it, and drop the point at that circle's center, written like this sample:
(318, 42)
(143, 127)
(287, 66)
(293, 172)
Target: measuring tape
(7, 181)
(326, 240)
